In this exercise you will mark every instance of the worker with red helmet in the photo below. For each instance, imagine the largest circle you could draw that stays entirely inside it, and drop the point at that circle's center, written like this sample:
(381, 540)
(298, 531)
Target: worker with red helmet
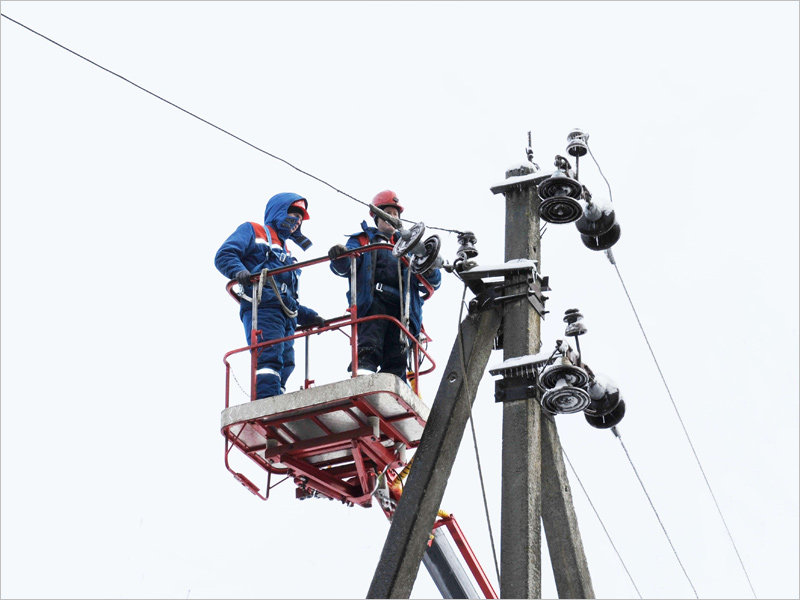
(247, 251)
(381, 289)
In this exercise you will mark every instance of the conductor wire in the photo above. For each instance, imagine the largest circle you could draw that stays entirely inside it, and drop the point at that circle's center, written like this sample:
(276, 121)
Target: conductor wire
(683, 426)
(236, 137)
(597, 514)
(613, 261)
(474, 435)
(664, 529)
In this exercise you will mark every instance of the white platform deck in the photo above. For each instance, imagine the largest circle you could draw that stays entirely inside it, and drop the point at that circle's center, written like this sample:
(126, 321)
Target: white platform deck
(330, 409)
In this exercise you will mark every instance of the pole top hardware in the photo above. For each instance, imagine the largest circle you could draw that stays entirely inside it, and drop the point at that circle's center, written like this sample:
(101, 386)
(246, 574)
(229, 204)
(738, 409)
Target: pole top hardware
(520, 379)
(489, 294)
(519, 180)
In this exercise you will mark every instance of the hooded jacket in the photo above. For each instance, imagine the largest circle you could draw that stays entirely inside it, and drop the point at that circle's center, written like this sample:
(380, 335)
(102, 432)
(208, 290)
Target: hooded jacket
(365, 278)
(246, 249)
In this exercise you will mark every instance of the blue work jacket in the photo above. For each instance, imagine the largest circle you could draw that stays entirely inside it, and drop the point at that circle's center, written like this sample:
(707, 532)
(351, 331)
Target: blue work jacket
(365, 278)
(252, 248)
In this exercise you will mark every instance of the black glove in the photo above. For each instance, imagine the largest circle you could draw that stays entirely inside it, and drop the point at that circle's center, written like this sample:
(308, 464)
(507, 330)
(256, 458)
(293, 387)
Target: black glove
(336, 251)
(243, 277)
(315, 320)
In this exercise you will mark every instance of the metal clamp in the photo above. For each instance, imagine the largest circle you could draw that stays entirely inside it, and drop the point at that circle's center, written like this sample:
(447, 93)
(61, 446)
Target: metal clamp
(515, 273)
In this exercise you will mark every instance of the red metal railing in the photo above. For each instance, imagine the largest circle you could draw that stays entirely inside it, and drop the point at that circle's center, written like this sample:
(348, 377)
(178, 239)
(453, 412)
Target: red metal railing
(350, 320)
(353, 480)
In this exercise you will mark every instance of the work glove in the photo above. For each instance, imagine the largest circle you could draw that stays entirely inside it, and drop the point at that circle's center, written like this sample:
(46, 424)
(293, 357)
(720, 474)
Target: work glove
(243, 277)
(315, 320)
(336, 251)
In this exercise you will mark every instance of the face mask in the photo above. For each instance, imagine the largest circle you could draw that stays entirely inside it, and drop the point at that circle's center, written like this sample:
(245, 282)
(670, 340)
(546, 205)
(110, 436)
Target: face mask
(290, 221)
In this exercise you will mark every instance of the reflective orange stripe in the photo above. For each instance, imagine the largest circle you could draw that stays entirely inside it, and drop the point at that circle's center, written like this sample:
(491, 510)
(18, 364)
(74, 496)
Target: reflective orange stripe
(261, 233)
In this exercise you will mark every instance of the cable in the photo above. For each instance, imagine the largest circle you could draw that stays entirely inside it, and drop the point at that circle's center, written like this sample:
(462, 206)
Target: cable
(683, 426)
(599, 169)
(322, 181)
(597, 514)
(247, 394)
(616, 433)
(474, 435)
(613, 261)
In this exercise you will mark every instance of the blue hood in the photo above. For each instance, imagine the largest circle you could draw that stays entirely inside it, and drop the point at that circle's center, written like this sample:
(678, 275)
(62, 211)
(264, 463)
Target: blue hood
(277, 217)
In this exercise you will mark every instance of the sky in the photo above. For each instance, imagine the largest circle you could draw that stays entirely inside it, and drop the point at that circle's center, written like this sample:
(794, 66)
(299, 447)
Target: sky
(115, 321)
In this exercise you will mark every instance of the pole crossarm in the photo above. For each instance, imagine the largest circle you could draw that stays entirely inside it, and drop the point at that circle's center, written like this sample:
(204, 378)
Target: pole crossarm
(412, 523)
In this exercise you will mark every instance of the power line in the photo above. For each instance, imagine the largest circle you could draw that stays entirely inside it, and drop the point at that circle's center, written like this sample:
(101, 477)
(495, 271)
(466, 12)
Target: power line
(613, 261)
(474, 436)
(610, 198)
(236, 137)
(683, 426)
(664, 529)
(597, 514)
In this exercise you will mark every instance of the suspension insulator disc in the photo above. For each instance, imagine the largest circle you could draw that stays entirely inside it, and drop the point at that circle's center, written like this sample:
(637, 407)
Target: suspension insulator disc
(604, 406)
(560, 209)
(597, 227)
(408, 240)
(571, 374)
(603, 241)
(607, 421)
(577, 147)
(559, 184)
(565, 400)
(577, 328)
(420, 264)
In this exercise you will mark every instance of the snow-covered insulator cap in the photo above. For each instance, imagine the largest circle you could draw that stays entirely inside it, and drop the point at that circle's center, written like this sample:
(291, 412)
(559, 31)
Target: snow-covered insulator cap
(605, 398)
(565, 399)
(603, 241)
(574, 321)
(576, 143)
(606, 421)
(560, 194)
(467, 241)
(596, 219)
(564, 370)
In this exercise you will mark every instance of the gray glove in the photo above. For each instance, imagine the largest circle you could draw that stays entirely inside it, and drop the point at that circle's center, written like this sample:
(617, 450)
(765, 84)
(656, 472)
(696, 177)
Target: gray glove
(336, 251)
(315, 320)
(243, 277)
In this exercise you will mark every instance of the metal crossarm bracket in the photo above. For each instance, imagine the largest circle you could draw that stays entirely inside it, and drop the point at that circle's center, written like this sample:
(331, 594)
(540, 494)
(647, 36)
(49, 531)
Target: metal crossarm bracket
(519, 374)
(509, 389)
(515, 273)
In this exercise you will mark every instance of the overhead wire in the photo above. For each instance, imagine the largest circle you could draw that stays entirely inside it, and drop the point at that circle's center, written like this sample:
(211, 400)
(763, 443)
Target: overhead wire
(597, 514)
(613, 261)
(686, 433)
(322, 181)
(660, 522)
(225, 131)
(474, 435)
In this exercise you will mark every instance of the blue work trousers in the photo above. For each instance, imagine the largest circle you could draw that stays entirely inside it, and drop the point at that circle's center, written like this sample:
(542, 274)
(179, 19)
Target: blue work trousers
(379, 346)
(275, 362)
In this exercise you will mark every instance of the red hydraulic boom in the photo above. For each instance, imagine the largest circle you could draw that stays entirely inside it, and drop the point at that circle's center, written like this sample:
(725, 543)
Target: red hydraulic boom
(345, 440)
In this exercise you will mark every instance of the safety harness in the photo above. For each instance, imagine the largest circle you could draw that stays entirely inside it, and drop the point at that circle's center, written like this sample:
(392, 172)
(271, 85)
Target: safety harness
(265, 235)
(405, 298)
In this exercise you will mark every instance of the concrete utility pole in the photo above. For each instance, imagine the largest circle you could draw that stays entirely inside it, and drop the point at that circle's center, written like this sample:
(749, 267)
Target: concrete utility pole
(534, 485)
(416, 512)
(521, 538)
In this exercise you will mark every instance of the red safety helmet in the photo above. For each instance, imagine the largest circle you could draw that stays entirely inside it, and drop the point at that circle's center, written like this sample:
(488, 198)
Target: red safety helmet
(384, 199)
(301, 204)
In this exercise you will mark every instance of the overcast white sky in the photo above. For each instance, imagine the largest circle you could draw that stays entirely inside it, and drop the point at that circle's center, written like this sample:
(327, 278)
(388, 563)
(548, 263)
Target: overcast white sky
(115, 321)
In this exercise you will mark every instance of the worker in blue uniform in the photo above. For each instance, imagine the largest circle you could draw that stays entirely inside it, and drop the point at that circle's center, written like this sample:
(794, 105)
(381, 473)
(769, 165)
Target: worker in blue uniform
(380, 291)
(247, 251)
